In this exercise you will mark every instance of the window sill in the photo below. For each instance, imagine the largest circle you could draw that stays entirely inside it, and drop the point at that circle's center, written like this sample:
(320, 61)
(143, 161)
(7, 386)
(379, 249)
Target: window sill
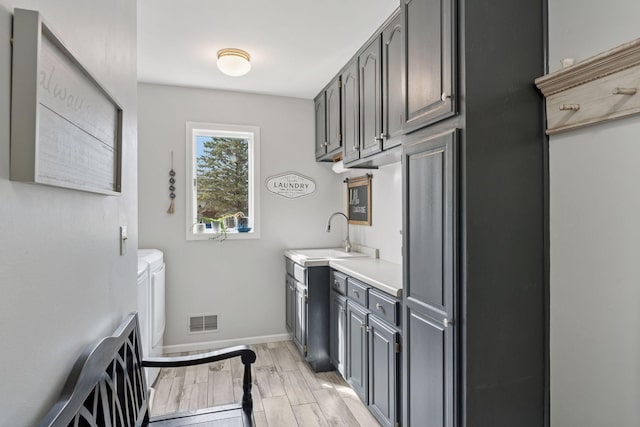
(231, 235)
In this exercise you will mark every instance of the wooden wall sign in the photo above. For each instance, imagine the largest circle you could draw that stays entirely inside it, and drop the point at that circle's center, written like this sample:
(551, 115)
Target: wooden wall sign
(359, 200)
(66, 129)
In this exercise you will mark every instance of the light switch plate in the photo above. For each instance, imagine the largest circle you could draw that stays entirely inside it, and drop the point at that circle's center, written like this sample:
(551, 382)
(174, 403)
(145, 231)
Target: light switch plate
(123, 239)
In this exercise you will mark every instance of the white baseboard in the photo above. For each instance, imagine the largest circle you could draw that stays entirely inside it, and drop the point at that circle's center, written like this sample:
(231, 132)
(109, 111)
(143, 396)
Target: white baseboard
(210, 345)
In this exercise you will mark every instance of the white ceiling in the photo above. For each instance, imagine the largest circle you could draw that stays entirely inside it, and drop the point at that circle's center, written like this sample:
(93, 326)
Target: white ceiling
(296, 46)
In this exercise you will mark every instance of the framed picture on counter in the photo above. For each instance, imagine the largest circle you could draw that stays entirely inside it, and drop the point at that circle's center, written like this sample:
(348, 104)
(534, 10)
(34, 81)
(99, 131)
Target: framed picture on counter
(359, 199)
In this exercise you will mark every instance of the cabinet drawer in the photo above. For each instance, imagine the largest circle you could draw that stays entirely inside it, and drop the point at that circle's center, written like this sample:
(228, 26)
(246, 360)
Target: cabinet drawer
(296, 271)
(384, 306)
(289, 266)
(357, 291)
(339, 282)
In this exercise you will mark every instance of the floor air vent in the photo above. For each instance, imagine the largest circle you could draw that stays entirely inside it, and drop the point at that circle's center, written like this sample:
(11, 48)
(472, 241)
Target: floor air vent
(203, 323)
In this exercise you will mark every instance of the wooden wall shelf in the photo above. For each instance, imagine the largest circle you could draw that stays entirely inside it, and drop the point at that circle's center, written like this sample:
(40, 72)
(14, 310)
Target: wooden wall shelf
(598, 89)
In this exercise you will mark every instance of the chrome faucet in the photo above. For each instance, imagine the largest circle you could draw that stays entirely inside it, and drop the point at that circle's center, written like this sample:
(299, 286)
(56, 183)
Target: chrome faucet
(347, 243)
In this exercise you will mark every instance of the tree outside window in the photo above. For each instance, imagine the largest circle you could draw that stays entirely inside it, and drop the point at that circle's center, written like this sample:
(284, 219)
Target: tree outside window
(222, 176)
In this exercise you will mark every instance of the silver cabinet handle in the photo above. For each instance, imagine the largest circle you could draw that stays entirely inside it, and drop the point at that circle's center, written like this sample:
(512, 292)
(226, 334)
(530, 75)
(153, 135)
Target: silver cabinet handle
(447, 322)
(625, 91)
(445, 96)
(379, 307)
(356, 293)
(355, 148)
(569, 107)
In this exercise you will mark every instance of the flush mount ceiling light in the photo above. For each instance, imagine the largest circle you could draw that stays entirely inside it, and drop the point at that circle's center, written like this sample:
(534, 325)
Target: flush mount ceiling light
(234, 62)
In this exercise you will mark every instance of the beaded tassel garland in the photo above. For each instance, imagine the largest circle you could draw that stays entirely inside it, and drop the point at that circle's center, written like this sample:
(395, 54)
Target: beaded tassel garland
(172, 188)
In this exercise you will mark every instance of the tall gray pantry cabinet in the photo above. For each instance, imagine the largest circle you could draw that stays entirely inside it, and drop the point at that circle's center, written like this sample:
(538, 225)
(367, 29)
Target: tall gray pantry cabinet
(474, 191)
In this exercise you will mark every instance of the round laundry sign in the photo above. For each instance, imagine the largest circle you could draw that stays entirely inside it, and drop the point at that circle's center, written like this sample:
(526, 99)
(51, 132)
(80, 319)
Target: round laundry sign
(291, 185)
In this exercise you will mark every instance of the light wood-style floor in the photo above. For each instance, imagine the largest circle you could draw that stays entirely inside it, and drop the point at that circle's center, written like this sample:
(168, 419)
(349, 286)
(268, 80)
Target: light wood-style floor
(286, 392)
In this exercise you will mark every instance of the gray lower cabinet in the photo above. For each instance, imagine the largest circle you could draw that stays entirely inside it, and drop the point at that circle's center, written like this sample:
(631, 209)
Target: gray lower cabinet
(372, 345)
(337, 331)
(300, 317)
(290, 295)
(307, 312)
(383, 371)
(357, 351)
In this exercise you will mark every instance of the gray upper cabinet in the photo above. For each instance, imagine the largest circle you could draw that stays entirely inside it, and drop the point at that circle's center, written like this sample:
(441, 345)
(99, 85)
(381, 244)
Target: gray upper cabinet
(350, 112)
(328, 121)
(429, 61)
(392, 105)
(333, 119)
(430, 176)
(371, 98)
(321, 125)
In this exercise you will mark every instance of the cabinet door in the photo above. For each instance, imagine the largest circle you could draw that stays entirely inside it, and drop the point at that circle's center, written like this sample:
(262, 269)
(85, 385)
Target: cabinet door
(321, 125)
(370, 81)
(392, 90)
(429, 61)
(300, 318)
(338, 333)
(350, 112)
(383, 372)
(333, 117)
(357, 350)
(289, 297)
(429, 191)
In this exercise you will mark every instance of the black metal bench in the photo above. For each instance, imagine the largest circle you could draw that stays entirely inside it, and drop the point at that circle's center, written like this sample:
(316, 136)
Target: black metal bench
(107, 387)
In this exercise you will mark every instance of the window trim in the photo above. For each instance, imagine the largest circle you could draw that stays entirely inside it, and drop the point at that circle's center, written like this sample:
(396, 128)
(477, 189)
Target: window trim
(215, 129)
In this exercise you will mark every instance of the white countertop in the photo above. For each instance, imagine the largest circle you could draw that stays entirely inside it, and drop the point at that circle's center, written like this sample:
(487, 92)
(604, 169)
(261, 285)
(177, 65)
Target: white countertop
(362, 264)
(381, 274)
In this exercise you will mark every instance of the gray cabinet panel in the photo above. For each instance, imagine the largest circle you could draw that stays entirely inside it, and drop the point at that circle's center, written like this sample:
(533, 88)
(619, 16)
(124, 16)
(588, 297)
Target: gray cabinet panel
(350, 112)
(290, 295)
(357, 350)
(333, 117)
(383, 371)
(392, 90)
(370, 99)
(321, 125)
(428, 34)
(429, 354)
(430, 180)
(300, 318)
(338, 332)
(307, 312)
(426, 201)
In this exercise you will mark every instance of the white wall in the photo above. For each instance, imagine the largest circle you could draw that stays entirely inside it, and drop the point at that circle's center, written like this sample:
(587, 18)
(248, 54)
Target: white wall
(63, 283)
(242, 281)
(594, 212)
(385, 232)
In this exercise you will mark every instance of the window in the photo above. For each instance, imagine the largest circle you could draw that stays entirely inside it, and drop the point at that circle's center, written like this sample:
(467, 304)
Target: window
(223, 190)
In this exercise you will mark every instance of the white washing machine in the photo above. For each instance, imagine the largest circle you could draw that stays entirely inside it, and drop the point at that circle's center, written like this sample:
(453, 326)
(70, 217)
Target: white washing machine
(151, 307)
